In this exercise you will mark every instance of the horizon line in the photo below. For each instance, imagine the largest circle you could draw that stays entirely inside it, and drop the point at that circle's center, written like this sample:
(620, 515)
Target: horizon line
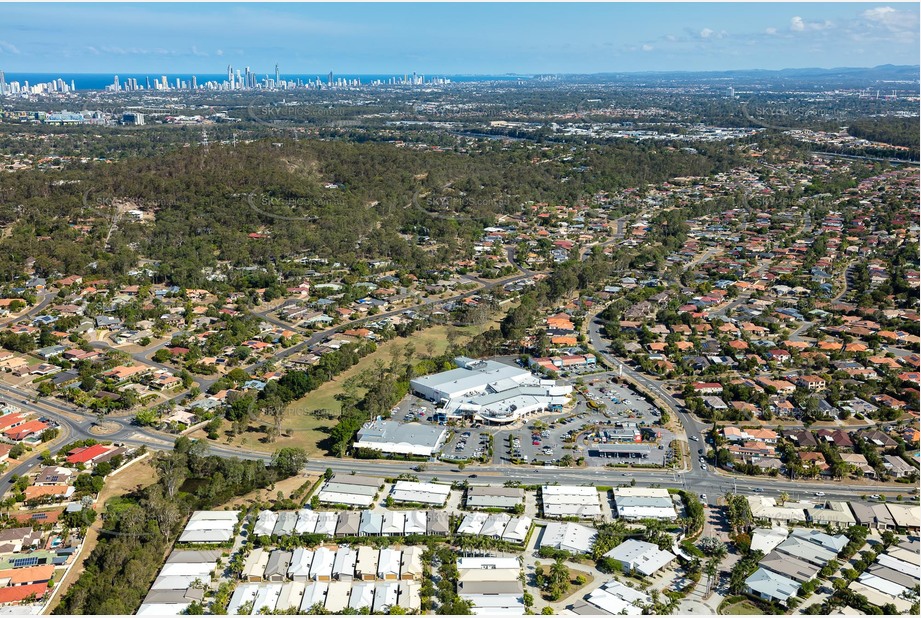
(488, 74)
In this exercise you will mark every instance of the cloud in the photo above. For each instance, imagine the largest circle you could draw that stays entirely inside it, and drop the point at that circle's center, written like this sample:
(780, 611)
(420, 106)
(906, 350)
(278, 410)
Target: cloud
(219, 52)
(196, 52)
(886, 18)
(770, 30)
(711, 34)
(798, 24)
(9, 48)
(881, 14)
(647, 47)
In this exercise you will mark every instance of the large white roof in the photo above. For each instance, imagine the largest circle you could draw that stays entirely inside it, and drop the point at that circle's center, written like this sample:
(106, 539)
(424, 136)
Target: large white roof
(475, 377)
(766, 539)
(330, 497)
(569, 490)
(426, 493)
(771, 584)
(616, 598)
(568, 537)
(641, 556)
(487, 563)
(162, 609)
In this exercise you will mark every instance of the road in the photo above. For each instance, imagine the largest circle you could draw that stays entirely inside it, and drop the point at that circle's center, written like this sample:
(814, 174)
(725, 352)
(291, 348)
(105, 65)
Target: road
(618, 235)
(44, 299)
(76, 425)
(707, 481)
(847, 275)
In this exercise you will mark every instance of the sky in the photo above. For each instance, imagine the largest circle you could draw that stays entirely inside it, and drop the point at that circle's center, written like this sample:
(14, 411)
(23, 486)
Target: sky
(453, 38)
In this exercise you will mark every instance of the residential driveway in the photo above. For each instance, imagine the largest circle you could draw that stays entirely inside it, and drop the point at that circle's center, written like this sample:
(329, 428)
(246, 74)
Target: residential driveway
(716, 524)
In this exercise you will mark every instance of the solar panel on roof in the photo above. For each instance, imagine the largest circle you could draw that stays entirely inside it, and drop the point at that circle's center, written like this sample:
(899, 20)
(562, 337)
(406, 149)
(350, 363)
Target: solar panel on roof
(24, 562)
(39, 515)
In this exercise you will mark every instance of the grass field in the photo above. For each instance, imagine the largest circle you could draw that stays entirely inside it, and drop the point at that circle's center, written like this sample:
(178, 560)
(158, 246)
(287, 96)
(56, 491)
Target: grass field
(742, 608)
(301, 429)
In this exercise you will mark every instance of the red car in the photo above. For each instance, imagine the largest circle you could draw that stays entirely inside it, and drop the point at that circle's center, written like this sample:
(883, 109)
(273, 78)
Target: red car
(535, 443)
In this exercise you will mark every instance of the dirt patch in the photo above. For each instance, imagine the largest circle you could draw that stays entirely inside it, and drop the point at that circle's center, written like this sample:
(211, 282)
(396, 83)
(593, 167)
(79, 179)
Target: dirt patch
(578, 580)
(286, 487)
(105, 428)
(136, 476)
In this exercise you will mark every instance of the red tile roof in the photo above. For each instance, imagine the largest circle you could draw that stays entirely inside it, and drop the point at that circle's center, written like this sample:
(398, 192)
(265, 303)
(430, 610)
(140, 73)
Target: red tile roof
(15, 594)
(85, 454)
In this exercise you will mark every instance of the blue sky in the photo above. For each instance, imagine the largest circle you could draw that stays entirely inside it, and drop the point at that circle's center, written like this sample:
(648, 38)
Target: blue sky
(454, 38)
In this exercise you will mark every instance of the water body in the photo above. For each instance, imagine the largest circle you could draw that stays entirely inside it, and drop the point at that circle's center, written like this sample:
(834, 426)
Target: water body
(98, 81)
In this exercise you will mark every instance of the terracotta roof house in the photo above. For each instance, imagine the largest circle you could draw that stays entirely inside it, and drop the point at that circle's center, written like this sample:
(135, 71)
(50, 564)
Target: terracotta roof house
(838, 437)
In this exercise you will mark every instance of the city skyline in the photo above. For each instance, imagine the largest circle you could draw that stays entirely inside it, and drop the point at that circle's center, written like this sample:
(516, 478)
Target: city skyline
(450, 39)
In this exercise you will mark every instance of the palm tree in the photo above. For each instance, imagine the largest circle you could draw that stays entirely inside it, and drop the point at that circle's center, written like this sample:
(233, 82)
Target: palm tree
(711, 569)
(783, 497)
(558, 581)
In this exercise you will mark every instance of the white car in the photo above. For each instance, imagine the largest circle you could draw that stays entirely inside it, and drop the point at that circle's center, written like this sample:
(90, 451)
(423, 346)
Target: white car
(695, 438)
(703, 497)
(820, 494)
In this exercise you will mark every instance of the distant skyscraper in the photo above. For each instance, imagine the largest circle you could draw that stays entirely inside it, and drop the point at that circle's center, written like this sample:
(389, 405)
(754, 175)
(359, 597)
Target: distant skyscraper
(194, 83)
(276, 75)
(148, 82)
(2, 83)
(115, 83)
(230, 76)
(329, 79)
